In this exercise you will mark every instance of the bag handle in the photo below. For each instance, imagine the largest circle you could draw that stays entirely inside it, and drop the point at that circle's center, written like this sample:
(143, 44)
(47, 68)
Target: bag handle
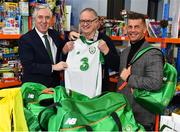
(142, 52)
(116, 119)
(40, 114)
(88, 128)
(138, 55)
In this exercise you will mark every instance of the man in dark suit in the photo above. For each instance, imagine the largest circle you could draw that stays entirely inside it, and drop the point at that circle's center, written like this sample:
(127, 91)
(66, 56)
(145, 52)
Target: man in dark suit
(40, 49)
(146, 73)
(89, 24)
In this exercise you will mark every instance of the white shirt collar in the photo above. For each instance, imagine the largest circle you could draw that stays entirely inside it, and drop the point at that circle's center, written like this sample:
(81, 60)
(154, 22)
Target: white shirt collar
(41, 34)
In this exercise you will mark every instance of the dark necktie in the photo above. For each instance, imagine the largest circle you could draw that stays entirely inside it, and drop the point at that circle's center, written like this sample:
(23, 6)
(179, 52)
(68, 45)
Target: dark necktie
(48, 48)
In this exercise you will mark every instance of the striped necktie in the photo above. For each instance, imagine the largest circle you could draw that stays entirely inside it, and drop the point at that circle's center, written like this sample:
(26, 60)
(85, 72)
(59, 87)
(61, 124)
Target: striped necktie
(48, 48)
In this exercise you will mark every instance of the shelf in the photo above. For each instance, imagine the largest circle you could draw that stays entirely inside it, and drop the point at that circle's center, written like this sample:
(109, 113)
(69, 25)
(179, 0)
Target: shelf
(10, 36)
(154, 39)
(118, 38)
(165, 40)
(172, 40)
(6, 83)
(14, 36)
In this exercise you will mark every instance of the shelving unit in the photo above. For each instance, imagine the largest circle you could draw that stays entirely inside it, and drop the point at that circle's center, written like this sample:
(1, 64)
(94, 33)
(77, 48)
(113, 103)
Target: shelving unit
(149, 39)
(163, 41)
(10, 36)
(116, 38)
(9, 82)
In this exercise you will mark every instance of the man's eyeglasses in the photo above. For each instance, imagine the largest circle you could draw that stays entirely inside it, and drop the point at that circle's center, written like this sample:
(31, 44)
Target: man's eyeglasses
(82, 22)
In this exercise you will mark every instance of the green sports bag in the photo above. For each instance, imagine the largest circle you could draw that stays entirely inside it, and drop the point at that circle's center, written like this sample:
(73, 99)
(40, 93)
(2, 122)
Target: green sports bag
(76, 112)
(32, 96)
(157, 101)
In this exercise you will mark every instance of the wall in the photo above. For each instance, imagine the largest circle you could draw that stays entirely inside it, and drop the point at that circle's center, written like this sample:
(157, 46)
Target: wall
(127, 4)
(160, 10)
(139, 6)
(174, 13)
(77, 5)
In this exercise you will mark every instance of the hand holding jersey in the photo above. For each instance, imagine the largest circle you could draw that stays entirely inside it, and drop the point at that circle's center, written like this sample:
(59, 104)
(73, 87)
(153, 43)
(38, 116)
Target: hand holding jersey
(68, 47)
(59, 66)
(74, 36)
(103, 47)
(84, 73)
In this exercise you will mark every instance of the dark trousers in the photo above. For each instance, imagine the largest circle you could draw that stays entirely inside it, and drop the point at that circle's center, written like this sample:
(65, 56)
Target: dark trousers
(150, 127)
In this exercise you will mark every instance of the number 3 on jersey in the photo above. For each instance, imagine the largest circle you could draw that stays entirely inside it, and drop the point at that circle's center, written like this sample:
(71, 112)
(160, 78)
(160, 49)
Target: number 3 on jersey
(85, 65)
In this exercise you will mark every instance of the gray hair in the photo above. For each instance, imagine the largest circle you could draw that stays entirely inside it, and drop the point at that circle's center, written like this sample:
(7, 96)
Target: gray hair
(41, 6)
(90, 10)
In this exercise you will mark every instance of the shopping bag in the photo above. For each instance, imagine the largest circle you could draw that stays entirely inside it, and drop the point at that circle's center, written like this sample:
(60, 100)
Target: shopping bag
(157, 101)
(76, 112)
(170, 123)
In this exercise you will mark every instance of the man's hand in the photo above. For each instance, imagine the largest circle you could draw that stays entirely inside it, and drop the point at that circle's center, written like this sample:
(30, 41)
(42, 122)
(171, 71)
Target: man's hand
(68, 47)
(103, 47)
(132, 90)
(73, 35)
(59, 66)
(125, 73)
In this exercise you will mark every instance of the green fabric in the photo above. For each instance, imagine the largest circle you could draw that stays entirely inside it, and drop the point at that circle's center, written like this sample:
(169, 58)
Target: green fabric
(45, 96)
(101, 58)
(31, 114)
(32, 95)
(140, 53)
(32, 111)
(157, 101)
(88, 42)
(31, 91)
(83, 39)
(74, 112)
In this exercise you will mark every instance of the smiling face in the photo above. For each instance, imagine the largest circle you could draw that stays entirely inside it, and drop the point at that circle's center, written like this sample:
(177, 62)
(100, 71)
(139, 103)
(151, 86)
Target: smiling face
(88, 23)
(136, 30)
(42, 20)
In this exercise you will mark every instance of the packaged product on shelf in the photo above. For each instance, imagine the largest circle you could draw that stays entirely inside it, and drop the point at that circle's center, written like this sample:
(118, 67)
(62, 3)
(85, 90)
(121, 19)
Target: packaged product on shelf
(24, 8)
(11, 18)
(114, 27)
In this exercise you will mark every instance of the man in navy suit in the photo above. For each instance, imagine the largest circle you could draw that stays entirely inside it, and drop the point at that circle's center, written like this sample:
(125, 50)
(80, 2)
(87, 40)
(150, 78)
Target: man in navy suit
(40, 63)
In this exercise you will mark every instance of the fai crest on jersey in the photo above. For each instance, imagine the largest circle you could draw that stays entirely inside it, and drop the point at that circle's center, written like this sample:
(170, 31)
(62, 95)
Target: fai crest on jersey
(78, 52)
(92, 50)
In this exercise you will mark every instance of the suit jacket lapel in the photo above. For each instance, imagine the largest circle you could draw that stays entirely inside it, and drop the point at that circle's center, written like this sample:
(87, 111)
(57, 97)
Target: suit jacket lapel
(53, 38)
(37, 40)
(126, 56)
